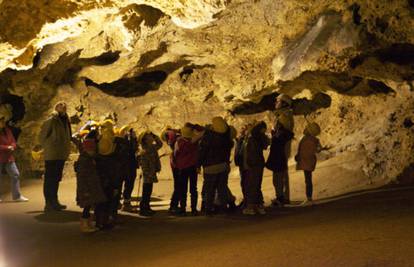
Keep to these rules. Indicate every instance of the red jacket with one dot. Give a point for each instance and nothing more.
(185, 153)
(6, 140)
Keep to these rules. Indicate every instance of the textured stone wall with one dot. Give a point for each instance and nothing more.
(348, 64)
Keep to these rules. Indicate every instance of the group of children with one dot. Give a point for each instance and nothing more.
(109, 159)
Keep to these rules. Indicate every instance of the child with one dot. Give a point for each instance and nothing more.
(306, 157)
(186, 158)
(89, 190)
(149, 161)
(253, 166)
(278, 160)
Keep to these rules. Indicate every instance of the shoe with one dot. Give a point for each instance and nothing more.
(277, 203)
(146, 213)
(85, 227)
(307, 202)
(105, 226)
(260, 209)
(129, 208)
(21, 199)
(51, 208)
(194, 212)
(60, 206)
(249, 211)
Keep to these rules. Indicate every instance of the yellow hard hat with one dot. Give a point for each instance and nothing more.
(84, 133)
(187, 132)
(107, 124)
(106, 146)
(37, 155)
(313, 129)
(124, 130)
(219, 125)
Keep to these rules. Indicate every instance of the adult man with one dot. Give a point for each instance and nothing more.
(55, 137)
(284, 116)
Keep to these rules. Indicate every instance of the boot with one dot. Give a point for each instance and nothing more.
(249, 210)
(84, 226)
(127, 207)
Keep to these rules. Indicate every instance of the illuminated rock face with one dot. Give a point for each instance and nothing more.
(348, 64)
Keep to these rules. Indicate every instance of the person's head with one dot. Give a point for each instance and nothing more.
(61, 108)
(219, 125)
(282, 122)
(283, 101)
(187, 132)
(146, 138)
(312, 129)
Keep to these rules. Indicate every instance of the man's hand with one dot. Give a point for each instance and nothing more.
(11, 148)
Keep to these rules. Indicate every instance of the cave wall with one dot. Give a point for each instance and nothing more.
(348, 64)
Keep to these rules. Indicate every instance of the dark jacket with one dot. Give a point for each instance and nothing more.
(238, 151)
(253, 152)
(277, 160)
(55, 137)
(185, 153)
(89, 190)
(6, 140)
(215, 148)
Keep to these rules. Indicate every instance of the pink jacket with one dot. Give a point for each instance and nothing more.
(185, 153)
(6, 140)
(306, 157)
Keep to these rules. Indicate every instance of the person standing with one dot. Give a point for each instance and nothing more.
(277, 161)
(7, 161)
(214, 157)
(170, 136)
(306, 159)
(55, 137)
(284, 111)
(254, 164)
(150, 164)
(186, 158)
(132, 165)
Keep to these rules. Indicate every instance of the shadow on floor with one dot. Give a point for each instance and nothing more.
(65, 216)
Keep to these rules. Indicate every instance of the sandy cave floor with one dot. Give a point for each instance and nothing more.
(371, 230)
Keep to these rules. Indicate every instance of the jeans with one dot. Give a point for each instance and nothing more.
(53, 176)
(185, 176)
(309, 185)
(212, 183)
(281, 184)
(13, 172)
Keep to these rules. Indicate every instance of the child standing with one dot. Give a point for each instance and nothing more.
(150, 164)
(89, 190)
(306, 159)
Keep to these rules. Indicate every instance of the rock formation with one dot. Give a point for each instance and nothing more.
(349, 65)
